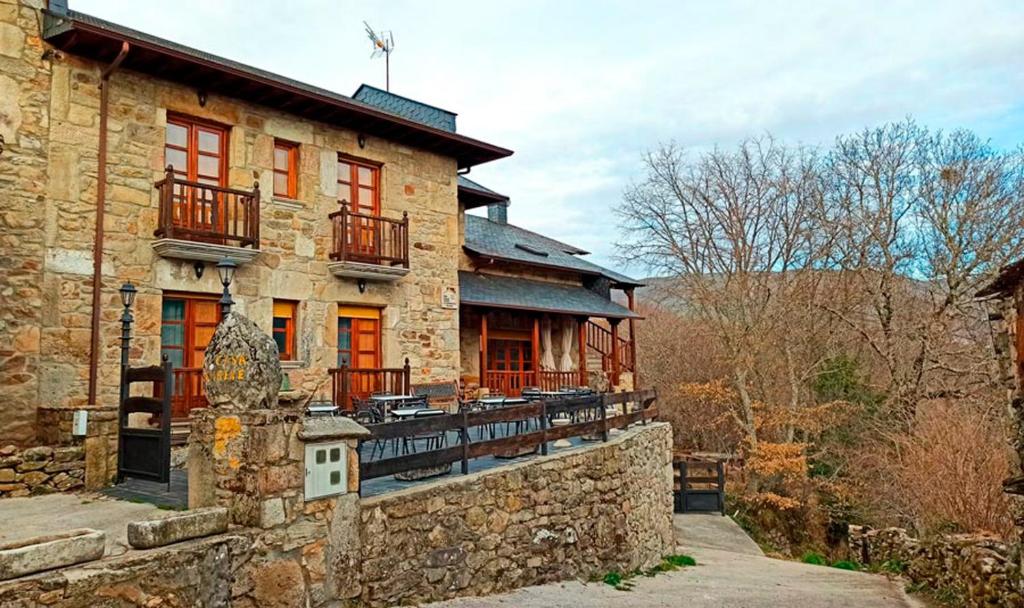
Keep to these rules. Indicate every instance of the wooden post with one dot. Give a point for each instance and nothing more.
(604, 417)
(543, 428)
(615, 351)
(464, 429)
(682, 486)
(483, 349)
(721, 485)
(535, 351)
(582, 330)
(407, 377)
(630, 297)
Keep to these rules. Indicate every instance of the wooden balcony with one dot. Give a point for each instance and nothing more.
(207, 223)
(369, 247)
(349, 382)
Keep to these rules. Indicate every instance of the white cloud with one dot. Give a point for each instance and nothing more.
(580, 89)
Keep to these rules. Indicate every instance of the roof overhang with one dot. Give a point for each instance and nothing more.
(472, 198)
(1008, 279)
(88, 36)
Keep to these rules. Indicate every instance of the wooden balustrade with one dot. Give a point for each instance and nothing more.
(349, 382)
(370, 239)
(194, 211)
(553, 380)
(188, 391)
(600, 339)
(511, 383)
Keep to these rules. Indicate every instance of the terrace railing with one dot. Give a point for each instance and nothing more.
(582, 416)
(194, 211)
(370, 239)
(349, 382)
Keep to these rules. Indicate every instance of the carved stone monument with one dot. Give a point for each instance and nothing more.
(241, 370)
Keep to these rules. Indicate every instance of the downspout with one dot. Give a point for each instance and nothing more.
(101, 206)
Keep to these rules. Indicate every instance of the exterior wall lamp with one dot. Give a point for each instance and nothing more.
(128, 293)
(226, 269)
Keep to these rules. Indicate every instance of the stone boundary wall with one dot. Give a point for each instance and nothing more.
(982, 571)
(572, 515)
(41, 470)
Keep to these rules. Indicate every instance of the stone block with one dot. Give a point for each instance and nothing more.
(178, 527)
(48, 552)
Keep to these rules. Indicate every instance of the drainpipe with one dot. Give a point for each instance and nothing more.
(101, 206)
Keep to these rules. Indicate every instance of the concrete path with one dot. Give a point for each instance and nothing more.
(731, 572)
(22, 518)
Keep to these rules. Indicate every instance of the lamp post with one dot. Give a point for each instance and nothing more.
(226, 269)
(128, 293)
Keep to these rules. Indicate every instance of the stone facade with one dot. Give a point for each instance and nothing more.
(40, 470)
(49, 120)
(573, 515)
(981, 571)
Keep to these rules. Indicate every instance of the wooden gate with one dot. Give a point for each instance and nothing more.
(144, 425)
(699, 486)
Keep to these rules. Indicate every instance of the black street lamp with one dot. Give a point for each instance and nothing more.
(226, 269)
(128, 293)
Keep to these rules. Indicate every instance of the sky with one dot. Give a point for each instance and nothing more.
(579, 90)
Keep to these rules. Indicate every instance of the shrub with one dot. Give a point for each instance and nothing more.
(845, 564)
(815, 559)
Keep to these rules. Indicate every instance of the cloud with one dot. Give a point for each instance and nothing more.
(579, 90)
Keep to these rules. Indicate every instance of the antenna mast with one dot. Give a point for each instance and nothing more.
(383, 44)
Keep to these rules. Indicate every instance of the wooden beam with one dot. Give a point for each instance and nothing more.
(582, 331)
(631, 298)
(615, 351)
(535, 351)
(483, 349)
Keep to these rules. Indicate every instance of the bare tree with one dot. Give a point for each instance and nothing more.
(740, 234)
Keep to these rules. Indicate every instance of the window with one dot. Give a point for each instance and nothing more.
(284, 328)
(358, 337)
(197, 150)
(286, 169)
(359, 186)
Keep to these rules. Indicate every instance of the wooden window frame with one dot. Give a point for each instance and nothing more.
(289, 330)
(350, 183)
(193, 124)
(291, 172)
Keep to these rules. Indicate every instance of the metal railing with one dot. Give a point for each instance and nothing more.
(369, 239)
(194, 211)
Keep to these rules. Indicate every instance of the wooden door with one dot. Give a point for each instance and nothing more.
(198, 153)
(509, 365)
(187, 325)
(359, 349)
(359, 186)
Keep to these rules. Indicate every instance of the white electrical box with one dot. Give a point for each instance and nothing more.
(79, 423)
(326, 469)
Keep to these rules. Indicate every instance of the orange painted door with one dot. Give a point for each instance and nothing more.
(198, 153)
(359, 348)
(187, 326)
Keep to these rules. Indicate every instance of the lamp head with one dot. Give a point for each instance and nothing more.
(128, 293)
(226, 269)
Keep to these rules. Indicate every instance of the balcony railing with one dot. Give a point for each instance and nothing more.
(349, 382)
(512, 383)
(370, 239)
(192, 211)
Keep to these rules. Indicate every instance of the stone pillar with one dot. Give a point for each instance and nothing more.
(100, 447)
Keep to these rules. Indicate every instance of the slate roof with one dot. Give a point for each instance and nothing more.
(405, 107)
(525, 294)
(514, 244)
(1005, 282)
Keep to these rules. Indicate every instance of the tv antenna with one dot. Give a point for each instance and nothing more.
(383, 44)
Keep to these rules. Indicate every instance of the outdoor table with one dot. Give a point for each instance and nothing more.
(322, 409)
(393, 398)
(499, 401)
(408, 412)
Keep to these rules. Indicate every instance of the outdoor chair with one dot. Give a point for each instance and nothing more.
(433, 440)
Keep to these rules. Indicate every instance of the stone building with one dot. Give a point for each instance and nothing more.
(128, 158)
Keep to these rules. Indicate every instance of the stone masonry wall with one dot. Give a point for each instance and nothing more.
(41, 470)
(981, 571)
(49, 119)
(575, 515)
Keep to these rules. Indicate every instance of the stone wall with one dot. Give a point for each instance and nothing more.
(49, 119)
(573, 515)
(41, 470)
(980, 570)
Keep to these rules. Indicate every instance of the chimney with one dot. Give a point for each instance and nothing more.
(58, 7)
(498, 212)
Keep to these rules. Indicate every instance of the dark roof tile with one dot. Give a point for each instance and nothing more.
(525, 294)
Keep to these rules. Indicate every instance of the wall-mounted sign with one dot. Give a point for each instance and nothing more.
(449, 298)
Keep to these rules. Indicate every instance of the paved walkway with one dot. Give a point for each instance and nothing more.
(731, 573)
(54, 513)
